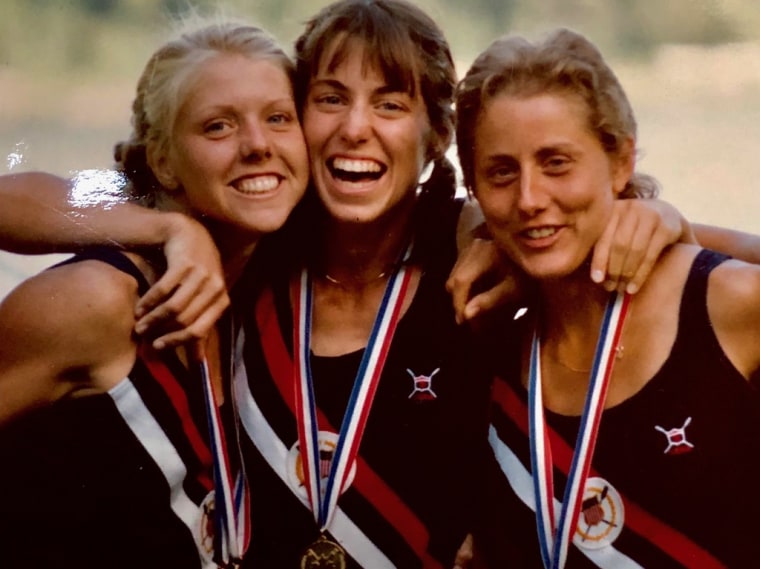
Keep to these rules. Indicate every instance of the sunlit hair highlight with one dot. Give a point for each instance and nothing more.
(164, 85)
(565, 63)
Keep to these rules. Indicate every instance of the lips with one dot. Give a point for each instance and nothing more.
(257, 184)
(355, 170)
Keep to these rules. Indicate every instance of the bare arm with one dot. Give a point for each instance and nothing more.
(42, 213)
(65, 331)
(740, 245)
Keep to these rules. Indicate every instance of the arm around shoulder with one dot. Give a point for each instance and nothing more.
(44, 213)
(738, 244)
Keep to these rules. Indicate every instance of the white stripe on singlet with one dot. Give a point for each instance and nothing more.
(153, 438)
(521, 481)
(274, 451)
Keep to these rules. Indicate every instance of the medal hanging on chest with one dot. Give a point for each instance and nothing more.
(554, 544)
(231, 496)
(323, 491)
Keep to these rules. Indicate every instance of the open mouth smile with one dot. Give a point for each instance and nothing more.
(355, 170)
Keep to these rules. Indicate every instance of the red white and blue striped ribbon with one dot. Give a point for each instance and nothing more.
(362, 393)
(232, 531)
(554, 545)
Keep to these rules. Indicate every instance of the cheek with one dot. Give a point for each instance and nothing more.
(194, 158)
(315, 125)
(496, 205)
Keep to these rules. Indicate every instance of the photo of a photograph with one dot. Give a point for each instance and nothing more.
(379, 284)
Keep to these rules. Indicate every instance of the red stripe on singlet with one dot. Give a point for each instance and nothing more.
(666, 538)
(366, 482)
(178, 399)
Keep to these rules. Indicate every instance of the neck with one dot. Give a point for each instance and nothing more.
(359, 254)
(235, 251)
(235, 246)
(571, 313)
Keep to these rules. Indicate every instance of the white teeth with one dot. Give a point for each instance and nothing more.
(540, 232)
(258, 184)
(356, 165)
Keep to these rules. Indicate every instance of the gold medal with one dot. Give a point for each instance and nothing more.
(323, 554)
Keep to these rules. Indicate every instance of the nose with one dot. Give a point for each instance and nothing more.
(254, 142)
(357, 123)
(531, 198)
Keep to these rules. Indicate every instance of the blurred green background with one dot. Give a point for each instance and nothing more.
(691, 68)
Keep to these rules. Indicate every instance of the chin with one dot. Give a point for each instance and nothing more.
(548, 270)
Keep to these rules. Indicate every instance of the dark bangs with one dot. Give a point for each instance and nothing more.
(386, 44)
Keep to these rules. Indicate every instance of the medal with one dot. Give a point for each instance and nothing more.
(602, 515)
(554, 543)
(325, 482)
(231, 505)
(323, 554)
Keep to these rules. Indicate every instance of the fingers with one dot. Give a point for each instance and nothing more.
(460, 295)
(603, 249)
(504, 292)
(652, 249)
(199, 328)
(174, 312)
(477, 260)
(638, 232)
(464, 555)
(191, 295)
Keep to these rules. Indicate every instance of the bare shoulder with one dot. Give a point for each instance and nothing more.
(67, 328)
(72, 296)
(734, 288)
(733, 302)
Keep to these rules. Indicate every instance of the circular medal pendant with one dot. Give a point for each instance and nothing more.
(323, 554)
(294, 465)
(602, 515)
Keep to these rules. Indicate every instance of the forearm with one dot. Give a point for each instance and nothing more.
(39, 213)
(740, 245)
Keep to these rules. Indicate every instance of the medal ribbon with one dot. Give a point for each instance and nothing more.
(362, 393)
(231, 497)
(554, 545)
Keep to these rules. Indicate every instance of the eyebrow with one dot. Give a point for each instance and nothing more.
(384, 89)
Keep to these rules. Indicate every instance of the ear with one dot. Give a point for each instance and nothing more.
(624, 165)
(160, 165)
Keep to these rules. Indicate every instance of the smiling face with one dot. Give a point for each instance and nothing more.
(237, 154)
(543, 180)
(368, 141)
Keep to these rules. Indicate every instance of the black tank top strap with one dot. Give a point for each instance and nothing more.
(116, 259)
(694, 322)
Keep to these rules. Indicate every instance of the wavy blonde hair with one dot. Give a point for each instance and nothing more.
(163, 86)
